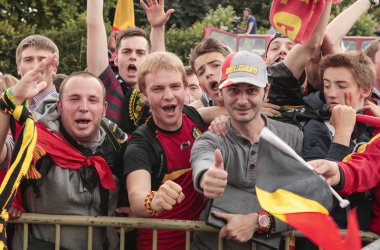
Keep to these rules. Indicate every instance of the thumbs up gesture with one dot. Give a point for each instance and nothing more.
(214, 180)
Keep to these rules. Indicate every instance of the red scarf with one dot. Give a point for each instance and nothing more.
(66, 156)
(295, 18)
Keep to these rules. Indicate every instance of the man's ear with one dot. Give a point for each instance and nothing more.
(366, 92)
(266, 91)
(105, 105)
(116, 61)
(144, 97)
(59, 106)
(18, 71)
(55, 70)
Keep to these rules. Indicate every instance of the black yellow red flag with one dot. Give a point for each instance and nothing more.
(21, 159)
(293, 193)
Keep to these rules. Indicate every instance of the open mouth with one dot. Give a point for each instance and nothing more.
(169, 108)
(132, 68)
(279, 59)
(214, 85)
(82, 121)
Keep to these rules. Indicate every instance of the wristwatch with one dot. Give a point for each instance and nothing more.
(264, 222)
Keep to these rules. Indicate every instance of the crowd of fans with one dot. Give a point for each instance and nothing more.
(128, 136)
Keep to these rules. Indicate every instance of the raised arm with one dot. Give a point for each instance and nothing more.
(157, 17)
(301, 54)
(208, 114)
(29, 86)
(97, 58)
(341, 25)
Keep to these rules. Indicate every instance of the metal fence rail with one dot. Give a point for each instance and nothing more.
(125, 222)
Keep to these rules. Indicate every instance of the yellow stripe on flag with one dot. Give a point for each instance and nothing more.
(282, 202)
(124, 15)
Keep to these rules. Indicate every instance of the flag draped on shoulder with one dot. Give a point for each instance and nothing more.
(22, 156)
(296, 19)
(293, 193)
(124, 15)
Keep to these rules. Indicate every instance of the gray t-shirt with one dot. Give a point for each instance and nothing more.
(240, 159)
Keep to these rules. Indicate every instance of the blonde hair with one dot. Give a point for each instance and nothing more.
(7, 81)
(158, 61)
(37, 41)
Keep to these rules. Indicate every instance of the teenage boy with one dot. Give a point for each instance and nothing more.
(161, 185)
(348, 79)
(125, 106)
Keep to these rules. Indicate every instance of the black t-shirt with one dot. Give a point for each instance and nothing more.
(140, 153)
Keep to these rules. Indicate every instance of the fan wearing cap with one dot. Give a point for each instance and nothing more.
(231, 159)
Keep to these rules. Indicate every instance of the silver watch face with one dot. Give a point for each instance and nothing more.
(264, 221)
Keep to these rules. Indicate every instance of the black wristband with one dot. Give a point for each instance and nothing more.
(341, 182)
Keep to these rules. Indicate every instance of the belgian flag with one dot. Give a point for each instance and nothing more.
(124, 15)
(293, 193)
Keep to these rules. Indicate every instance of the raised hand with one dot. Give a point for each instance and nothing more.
(343, 118)
(155, 12)
(35, 80)
(214, 180)
(169, 194)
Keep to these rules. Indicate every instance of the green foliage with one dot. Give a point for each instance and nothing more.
(71, 41)
(64, 22)
(181, 40)
(363, 27)
(260, 9)
(10, 36)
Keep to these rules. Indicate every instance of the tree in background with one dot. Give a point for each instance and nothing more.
(181, 40)
(64, 23)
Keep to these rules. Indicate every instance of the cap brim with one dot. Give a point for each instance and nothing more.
(229, 82)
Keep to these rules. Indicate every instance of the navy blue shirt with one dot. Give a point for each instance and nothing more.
(251, 19)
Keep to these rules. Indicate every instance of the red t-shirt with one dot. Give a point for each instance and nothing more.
(177, 147)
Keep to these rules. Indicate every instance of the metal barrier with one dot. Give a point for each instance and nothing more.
(126, 222)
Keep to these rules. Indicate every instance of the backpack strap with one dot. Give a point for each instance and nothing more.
(111, 136)
(146, 131)
(193, 115)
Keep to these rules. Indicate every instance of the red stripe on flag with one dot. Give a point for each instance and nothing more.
(329, 238)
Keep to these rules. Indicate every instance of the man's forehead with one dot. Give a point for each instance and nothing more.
(208, 58)
(281, 40)
(78, 82)
(134, 42)
(34, 51)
